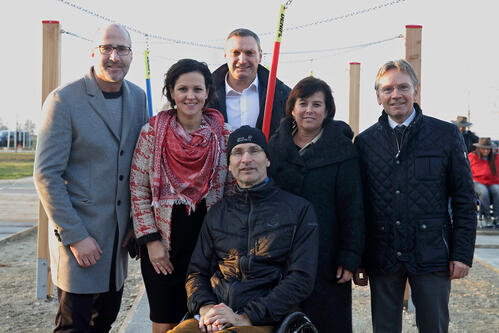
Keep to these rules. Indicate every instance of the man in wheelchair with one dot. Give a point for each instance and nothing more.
(256, 256)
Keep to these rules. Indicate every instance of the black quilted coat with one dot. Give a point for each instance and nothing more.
(328, 176)
(257, 253)
(278, 106)
(407, 194)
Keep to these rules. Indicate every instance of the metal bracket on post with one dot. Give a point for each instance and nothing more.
(41, 278)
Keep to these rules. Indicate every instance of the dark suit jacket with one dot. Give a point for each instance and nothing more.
(278, 106)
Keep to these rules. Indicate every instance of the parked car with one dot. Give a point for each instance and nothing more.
(4, 138)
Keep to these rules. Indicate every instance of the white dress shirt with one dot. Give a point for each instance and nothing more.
(242, 108)
(407, 122)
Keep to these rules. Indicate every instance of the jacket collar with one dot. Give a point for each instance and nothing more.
(258, 192)
(98, 104)
(416, 122)
(337, 136)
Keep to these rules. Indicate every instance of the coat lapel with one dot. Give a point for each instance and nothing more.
(126, 121)
(96, 101)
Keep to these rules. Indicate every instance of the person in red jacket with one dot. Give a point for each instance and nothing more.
(484, 164)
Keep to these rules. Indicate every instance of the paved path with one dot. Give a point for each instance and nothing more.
(19, 203)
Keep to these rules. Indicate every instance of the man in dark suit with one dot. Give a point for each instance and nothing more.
(411, 166)
(82, 169)
(241, 84)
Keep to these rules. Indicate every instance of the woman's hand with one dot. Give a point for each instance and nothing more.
(159, 257)
(343, 275)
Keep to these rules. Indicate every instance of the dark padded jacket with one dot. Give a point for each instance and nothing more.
(406, 196)
(257, 253)
(328, 176)
(469, 139)
(278, 106)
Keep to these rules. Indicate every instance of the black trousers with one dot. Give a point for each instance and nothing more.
(90, 312)
(87, 312)
(430, 294)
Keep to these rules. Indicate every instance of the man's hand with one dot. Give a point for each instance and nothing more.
(159, 257)
(361, 277)
(214, 318)
(86, 252)
(343, 274)
(458, 270)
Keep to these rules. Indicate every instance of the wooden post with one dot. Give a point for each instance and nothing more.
(353, 106)
(51, 69)
(413, 50)
(413, 56)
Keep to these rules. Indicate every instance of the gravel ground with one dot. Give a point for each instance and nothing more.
(20, 311)
(473, 305)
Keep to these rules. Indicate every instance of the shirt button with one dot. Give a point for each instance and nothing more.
(397, 192)
(121, 152)
(423, 226)
(119, 202)
(399, 254)
(397, 162)
(397, 223)
(121, 177)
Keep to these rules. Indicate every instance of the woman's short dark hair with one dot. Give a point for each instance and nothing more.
(306, 88)
(187, 66)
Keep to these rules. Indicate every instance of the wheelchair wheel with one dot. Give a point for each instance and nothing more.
(297, 322)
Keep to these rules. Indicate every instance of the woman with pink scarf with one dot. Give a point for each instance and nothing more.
(178, 171)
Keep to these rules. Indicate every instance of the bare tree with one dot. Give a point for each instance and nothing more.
(3, 126)
(30, 126)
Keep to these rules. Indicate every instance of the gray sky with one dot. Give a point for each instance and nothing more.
(459, 54)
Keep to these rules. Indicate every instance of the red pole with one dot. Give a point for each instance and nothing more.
(273, 72)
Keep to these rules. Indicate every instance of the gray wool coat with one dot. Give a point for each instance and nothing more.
(82, 170)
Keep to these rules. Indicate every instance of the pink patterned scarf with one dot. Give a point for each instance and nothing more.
(184, 163)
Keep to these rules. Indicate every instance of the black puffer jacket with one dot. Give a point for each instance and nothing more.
(278, 106)
(257, 253)
(407, 195)
(469, 139)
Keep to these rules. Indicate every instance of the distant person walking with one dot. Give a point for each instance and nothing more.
(82, 169)
(469, 137)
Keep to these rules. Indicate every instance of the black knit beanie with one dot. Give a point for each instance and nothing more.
(247, 134)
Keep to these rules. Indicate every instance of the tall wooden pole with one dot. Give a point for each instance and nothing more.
(413, 56)
(51, 77)
(353, 106)
(413, 50)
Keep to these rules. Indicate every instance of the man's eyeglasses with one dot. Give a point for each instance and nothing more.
(403, 88)
(120, 49)
(238, 152)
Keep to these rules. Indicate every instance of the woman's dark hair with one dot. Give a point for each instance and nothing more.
(491, 160)
(187, 66)
(306, 88)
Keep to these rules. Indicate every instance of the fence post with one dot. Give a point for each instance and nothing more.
(50, 80)
(353, 106)
(413, 50)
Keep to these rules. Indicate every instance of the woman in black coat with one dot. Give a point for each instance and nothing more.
(312, 156)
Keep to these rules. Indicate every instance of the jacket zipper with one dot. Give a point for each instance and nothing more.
(399, 145)
(445, 242)
(249, 231)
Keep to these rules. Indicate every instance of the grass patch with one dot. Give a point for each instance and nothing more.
(16, 165)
